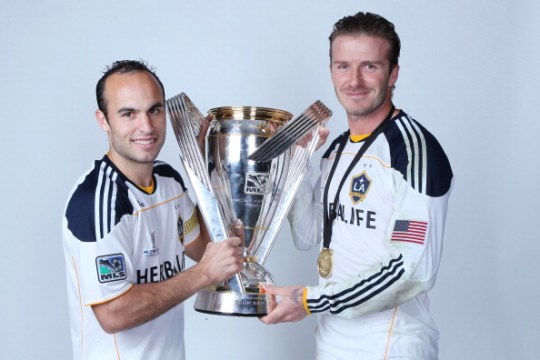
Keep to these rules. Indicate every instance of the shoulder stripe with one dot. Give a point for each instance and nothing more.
(361, 291)
(421, 168)
(418, 156)
(415, 144)
(98, 203)
(334, 145)
(102, 202)
(163, 169)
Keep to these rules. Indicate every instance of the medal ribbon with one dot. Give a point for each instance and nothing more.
(329, 217)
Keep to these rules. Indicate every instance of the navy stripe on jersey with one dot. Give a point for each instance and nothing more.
(101, 200)
(163, 169)
(335, 145)
(360, 292)
(418, 156)
(98, 203)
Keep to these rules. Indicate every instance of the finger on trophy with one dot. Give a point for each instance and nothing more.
(271, 302)
(237, 229)
(304, 141)
(323, 136)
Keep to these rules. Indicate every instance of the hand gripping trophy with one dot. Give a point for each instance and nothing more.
(245, 170)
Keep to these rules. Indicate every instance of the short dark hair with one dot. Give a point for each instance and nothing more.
(371, 25)
(122, 67)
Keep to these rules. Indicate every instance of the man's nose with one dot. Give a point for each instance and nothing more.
(357, 77)
(146, 123)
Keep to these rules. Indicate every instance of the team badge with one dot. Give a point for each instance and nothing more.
(111, 268)
(257, 183)
(360, 185)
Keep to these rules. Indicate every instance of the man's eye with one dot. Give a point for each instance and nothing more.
(155, 111)
(370, 67)
(127, 114)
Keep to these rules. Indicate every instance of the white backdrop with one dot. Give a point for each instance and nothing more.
(469, 73)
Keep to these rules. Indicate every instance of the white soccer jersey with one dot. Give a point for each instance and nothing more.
(386, 241)
(115, 236)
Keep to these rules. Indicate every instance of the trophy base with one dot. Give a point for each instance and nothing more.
(221, 300)
(213, 301)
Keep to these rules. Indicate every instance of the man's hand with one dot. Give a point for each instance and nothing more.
(323, 135)
(222, 260)
(289, 309)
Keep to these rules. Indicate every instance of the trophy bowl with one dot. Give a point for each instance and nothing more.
(248, 193)
(245, 181)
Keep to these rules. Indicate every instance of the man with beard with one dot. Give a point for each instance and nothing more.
(379, 209)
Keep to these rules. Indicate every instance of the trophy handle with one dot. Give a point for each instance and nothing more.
(213, 219)
(299, 165)
(187, 121)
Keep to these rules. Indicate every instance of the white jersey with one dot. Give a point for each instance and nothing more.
(115, 236)
(386, 242)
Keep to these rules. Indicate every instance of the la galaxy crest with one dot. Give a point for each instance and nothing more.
(360, 185)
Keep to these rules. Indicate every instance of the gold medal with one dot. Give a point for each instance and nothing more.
(324, 262)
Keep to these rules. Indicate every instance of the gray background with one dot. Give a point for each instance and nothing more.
(469, 73)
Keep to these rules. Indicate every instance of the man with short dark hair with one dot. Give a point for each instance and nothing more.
(127, 225)
(379, 209)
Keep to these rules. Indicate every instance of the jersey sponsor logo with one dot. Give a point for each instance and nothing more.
(257, 183)
(164, 271)
(360, 185)
(355, 216)
(111, 268)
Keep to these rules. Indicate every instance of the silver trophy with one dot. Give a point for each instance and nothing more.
(245, 179)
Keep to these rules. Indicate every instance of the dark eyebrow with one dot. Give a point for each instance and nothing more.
(125, 109)
(129, 109)
(156, 105)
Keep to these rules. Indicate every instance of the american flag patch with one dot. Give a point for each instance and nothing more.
(410, 231)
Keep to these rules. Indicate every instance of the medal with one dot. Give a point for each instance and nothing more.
(324, 262)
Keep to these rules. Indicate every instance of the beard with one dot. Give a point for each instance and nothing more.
(365, 107)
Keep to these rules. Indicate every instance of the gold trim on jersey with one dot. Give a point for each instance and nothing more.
(158, 204)
(148, 189)
(191, 224)
(357, 138)
(304, 301)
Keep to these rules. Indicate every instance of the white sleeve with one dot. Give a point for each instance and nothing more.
(409, 268)
(305, 215)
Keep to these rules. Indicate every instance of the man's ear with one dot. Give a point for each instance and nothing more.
(394, 76)
(102, 121)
